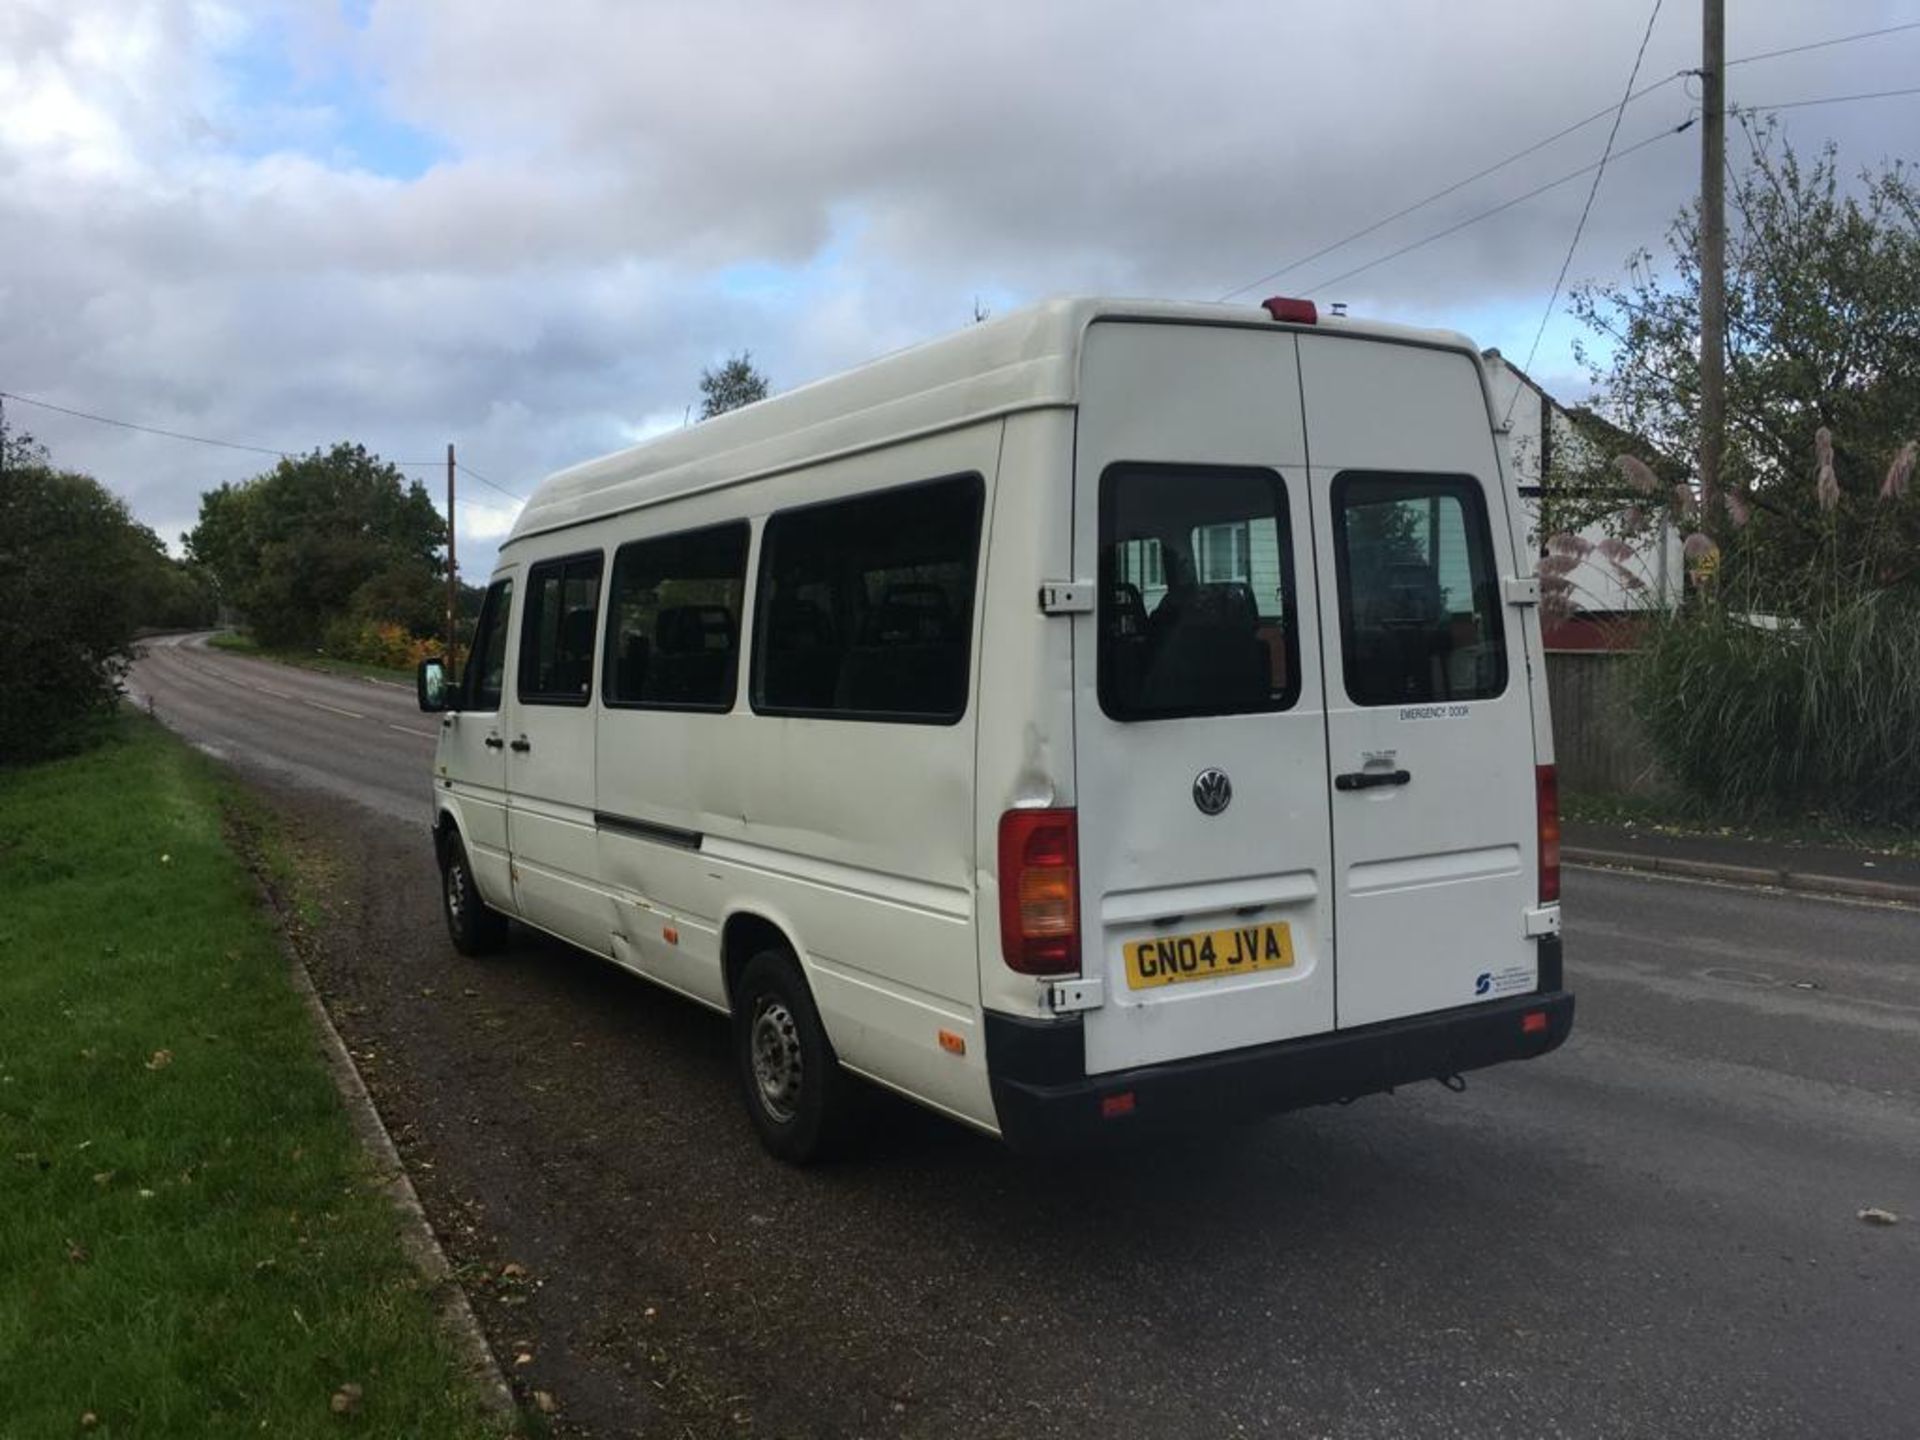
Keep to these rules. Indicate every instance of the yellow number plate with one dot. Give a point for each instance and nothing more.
(1171, 959)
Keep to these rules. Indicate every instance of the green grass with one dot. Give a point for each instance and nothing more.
(234, 641)
(191, 1242)
(1682, 815)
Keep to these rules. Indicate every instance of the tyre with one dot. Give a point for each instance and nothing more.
(799, 1098)
(474, 927)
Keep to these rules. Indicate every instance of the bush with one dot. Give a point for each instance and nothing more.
(1817, 716)
(379, 642)
(67, 611)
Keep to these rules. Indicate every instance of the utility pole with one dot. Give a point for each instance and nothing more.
(1713, 255)
(453, 575)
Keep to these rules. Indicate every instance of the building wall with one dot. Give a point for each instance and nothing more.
(1596, 584)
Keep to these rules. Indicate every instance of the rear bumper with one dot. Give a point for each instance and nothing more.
(1046, 1101)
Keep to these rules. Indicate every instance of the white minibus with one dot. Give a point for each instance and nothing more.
(1115, 715)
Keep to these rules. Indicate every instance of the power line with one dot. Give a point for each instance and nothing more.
(1580, 226)
(1442, 194)
(510, 494)
(1837, 99)
(147, 429)
(1823, 44)
(1493, 210)
(236, 444)
(1562, 134)
(1505, 205)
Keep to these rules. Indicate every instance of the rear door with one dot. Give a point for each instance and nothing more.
(1199, 735)
(1429, 721)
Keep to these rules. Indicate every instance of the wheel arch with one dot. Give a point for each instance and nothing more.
(745, 933)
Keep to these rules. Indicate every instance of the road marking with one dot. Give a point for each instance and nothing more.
(409, 730)
(269, 690)
(321, 705)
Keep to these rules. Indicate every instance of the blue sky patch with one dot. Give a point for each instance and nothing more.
(324, 108)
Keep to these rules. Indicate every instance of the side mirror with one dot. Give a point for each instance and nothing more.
(431, 687)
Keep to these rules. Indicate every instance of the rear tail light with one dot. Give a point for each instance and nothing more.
(1039, 891)
(1546, 792)
(1298, 312)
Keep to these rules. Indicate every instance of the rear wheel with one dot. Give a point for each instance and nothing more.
(475, 927)
(799, 1098)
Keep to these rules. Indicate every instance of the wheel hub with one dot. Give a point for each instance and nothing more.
(777, 1066)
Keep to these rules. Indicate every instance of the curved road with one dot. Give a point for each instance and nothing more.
(1653, 1232)
(364, 740)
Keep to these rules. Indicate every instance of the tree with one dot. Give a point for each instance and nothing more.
(734, 384)
(78, 576)
(1788, 682)
(1823, 335)
(320, 538)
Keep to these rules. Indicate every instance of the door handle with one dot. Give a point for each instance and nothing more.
(494, 742)
(1370, 779)
(521, 746)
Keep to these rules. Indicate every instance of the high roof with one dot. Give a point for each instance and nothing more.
(1028, 359)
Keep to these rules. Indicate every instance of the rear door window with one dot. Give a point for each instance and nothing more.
(1420, 615)
(1196, 612)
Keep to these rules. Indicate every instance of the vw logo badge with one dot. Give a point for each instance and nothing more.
(1212, 790)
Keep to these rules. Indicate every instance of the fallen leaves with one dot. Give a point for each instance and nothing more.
(161, 1059)
(346, 1400)
(544, 1402)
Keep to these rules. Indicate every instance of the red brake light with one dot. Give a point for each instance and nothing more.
(1546, 791)
(1534, 1022)
(1298, 312)
(1039, 891)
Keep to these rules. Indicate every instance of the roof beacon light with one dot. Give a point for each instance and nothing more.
(1297, 312)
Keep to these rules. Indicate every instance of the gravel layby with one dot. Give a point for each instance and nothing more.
(638, 1264)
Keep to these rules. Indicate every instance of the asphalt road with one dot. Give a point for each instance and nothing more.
(363, 740)
(1652, 1232)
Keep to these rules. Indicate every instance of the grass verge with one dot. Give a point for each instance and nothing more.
(191, 1242)
(1679, 816)
(238, 644)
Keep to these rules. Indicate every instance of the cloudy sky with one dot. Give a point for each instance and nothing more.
(526, 227)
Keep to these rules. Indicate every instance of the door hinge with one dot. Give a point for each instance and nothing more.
(1525, 590)
(1543, 921)
(1066, 996)
(1066, 597)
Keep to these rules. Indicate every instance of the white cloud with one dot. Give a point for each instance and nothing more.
(197, 231)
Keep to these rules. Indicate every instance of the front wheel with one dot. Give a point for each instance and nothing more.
(475, 927)
(797, 1095)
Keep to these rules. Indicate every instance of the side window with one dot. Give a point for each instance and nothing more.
(1196, 611)
(556, 631)
(487, 664)
(1420, 613)
(673, 620)
(865, 606)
